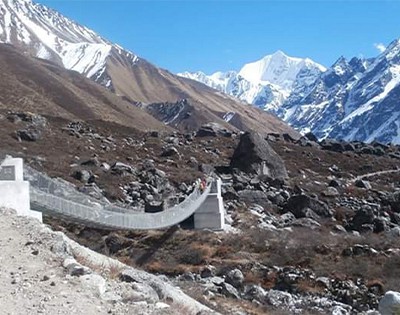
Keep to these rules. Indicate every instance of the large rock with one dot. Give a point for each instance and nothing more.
(213, 130)
(235, 277)
(300, 206)
(390, 303)
(363, 216)
(30, 134)
(254, 155)
(254, 196)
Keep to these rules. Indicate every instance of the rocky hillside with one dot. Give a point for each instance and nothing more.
(44, 33)
(311, 226)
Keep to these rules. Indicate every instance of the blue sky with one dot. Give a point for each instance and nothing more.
(223, 35)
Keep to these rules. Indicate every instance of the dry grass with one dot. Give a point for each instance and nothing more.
(112, 271)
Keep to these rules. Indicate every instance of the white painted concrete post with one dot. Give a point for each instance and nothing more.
(211, 214)
(14, 191)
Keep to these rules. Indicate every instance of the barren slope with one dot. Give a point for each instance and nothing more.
(39, 86)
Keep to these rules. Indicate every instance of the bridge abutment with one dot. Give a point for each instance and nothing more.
(211, 214)
(14, 191)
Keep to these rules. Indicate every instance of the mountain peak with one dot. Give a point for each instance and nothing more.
(278, 53)
(277, 69)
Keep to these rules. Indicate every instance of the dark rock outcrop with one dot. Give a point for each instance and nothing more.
(254, 155)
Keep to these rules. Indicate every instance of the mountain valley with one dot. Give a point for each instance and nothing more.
(312, 208)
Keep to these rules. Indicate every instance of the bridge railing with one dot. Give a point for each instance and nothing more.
(111, 219)
(61, 188)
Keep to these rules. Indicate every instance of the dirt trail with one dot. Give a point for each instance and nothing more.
(33, 279)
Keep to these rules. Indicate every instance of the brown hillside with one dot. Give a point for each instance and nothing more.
(29, 84)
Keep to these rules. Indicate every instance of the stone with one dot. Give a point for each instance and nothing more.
(206, 168)
(229, 291)
(120, 168)
(330, 192)
(145, 292)
(339, 229)
(310, 136)
(254, 196)
(363, 216)
(333, 145)
(95, 283)
(309, 223)
(188, 276)
(91, 162)
(74, 268)
(105, 166)
(83, 176)
(154, 134)
(213, 130)
(334, 183)
(129, 275)
(362, 184)
(208, 271)
(235, 277)
(380, 224)
(254, 292)
(298, 205)
(154, 206)
(255, 156)
(114, 243)
(169, 151)
(192, 162)
(30, 134)
(278, 298)
(390, 303)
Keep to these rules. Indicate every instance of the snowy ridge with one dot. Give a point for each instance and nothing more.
(353, 100)
(49, 35)
(266, 83)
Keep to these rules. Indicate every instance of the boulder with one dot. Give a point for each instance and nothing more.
(94, 283)
(310, 136)
(83, 176)
(390, 303)
(208, 271)
(330, 192)
(114, 243)
(363, 184)
(213, 130)
(120, 168)
(235, 277)
(299, 205)
(333, 145)
(254, 196)
(154, 206)
(169, 151)
(364, 216)
(254, 155)
(31, 134)
(229, 291)
(254, 292)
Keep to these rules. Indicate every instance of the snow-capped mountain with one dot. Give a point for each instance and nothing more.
(48, 35)
(266, 83)
(357, 99)
(354, 100)
(42, 32)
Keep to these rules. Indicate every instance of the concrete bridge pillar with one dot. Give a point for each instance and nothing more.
(211, 214)
(14, 191)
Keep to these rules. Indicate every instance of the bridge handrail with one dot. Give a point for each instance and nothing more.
(105, 218)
